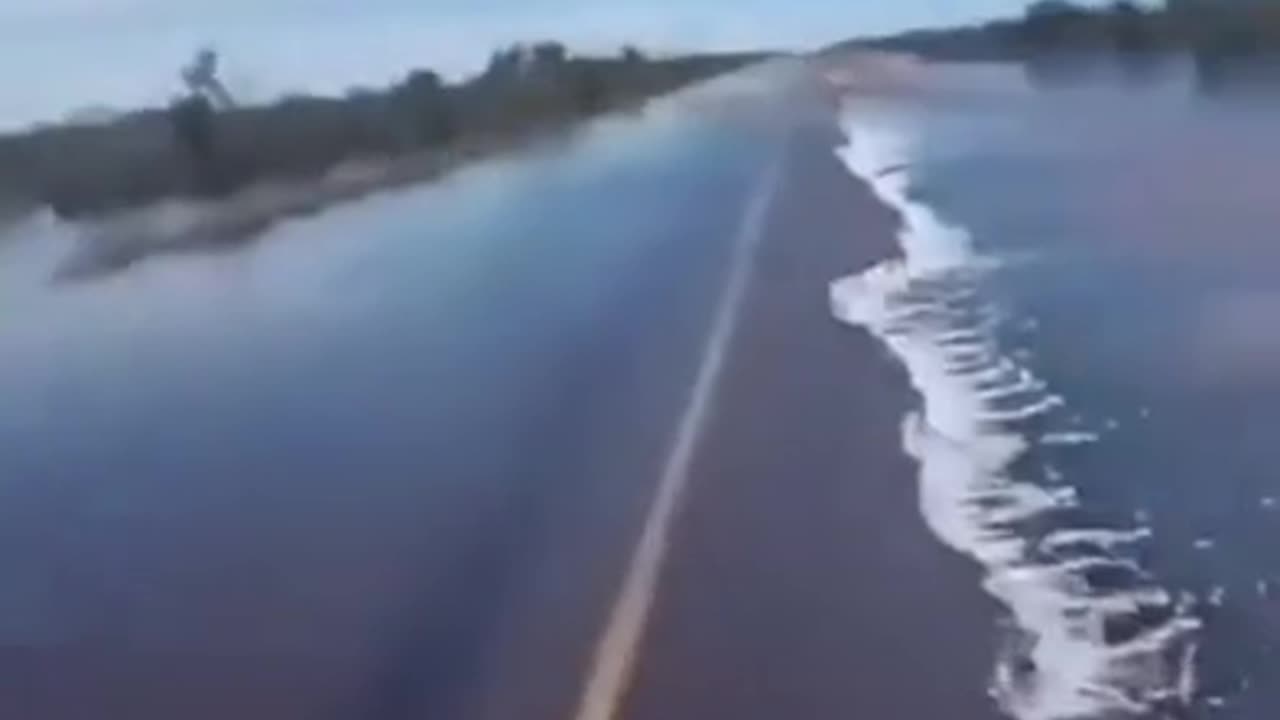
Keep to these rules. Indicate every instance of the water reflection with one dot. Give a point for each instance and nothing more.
(264, 451)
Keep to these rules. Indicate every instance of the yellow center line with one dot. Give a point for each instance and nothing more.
(613, 665)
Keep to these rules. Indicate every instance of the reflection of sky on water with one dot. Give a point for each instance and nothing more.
(327, 398)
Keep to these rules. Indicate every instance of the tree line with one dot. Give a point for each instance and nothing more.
(196, 149)
(1213, 31)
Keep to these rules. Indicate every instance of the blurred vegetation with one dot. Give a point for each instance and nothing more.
(195, 149)
(1052, 33)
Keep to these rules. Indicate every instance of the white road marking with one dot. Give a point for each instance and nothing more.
(614, 661)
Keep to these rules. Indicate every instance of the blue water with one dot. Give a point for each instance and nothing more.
(364, 438)
(1137, 275)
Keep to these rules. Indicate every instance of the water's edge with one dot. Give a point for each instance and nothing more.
(1089, 632)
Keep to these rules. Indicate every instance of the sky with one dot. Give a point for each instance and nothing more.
(64, 56)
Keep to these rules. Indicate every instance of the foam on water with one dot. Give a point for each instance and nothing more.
(1090, 633)
(1069, 438)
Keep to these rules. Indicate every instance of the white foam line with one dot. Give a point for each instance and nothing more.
(1062, 661)
(1106, 539)
(1040, 407)
(1069, 438)
(615, 655)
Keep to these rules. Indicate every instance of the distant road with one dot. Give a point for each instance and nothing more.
(569, 435)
